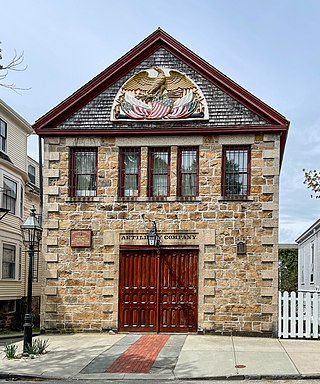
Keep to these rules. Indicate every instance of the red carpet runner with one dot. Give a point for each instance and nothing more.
(139, 358)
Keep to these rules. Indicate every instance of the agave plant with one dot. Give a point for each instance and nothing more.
(10, 350)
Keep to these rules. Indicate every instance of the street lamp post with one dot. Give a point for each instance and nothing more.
(31, 231)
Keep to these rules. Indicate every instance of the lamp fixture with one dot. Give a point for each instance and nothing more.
(241, 248)
(153, 237)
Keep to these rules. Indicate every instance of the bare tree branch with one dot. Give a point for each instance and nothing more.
(15, 64)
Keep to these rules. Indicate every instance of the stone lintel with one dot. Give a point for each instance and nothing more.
(236, 139)
(80, 141)
(52, 140)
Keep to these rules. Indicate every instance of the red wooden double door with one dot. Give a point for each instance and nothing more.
(158, 290)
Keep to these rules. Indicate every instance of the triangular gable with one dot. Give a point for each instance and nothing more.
(50, 122)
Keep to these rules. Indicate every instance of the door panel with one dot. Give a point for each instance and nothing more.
(173, 308)
(137, 300)
(178, 297)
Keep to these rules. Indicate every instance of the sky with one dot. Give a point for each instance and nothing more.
(269, 47)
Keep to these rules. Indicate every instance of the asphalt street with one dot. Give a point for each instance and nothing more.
(152, 381)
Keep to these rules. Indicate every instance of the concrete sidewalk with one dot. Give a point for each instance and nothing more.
(88, 356)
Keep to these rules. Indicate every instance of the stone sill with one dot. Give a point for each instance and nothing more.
(236, 198)
(168, 199)
(83, 199)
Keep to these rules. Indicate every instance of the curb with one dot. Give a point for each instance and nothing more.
(17, 336)
(20, 376)
(12, 376)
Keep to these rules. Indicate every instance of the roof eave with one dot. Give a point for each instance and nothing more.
(158, 39)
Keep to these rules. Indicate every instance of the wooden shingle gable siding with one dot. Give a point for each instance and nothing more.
(224, 111)
(157, 41)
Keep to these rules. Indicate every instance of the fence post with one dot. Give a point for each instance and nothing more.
(300, 314)
(315, 323)
(285, 314)
(293, 316)
(280, 315)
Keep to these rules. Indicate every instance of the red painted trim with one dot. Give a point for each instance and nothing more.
(121, 178)
(162, 130)
(282, 129)
(151, 151)
(135, 56)
(226, 148)
(179, 171)
(72, 168)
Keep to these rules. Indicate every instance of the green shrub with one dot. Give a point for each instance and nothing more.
(42, 345)
(10, 351)
(288, 269)
(38, 347)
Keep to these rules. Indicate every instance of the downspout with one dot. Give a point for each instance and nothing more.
(40, 176)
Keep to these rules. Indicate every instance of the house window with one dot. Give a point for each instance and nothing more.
(129, 172)
(8, 306)
(83, 172)
(9, 195)
(188, 160)
(32, 173)
(159, 160)
(21, 201)
(8, 261)
(312, 264)
(3, 135)
(236, 172)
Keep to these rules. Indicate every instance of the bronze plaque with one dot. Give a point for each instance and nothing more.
(80, 237)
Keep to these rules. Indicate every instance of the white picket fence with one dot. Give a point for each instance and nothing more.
(299, 315)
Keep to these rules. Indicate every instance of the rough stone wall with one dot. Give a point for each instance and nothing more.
(236, 293)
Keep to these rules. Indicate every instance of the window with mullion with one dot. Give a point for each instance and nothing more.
(129, 172)
(83, 172)
(236, 171)
(3, 135)
(8, 261)
(32, 173)
(159, 161)
(9, 195)
(188, 169)
(312, 263)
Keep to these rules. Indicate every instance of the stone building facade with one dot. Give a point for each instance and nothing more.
(208, 182)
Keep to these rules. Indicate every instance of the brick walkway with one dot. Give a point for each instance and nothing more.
(140, 357)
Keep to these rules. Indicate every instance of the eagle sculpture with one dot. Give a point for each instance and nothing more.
(156, 86)
(171, 96)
